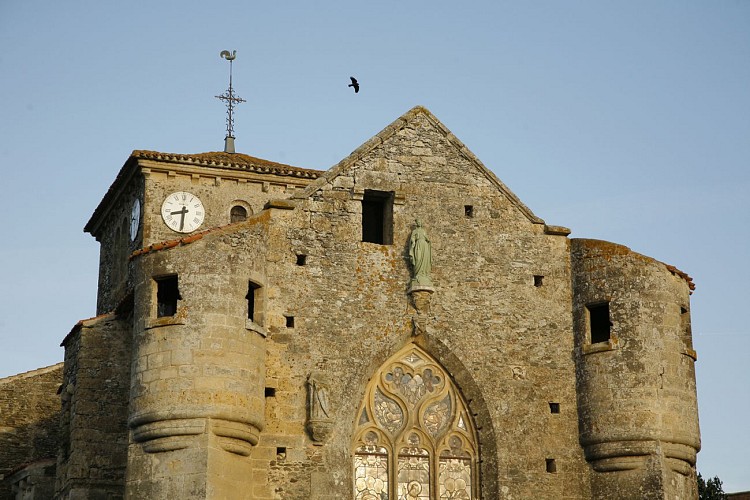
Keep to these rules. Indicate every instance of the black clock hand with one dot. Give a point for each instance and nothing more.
(182, 213)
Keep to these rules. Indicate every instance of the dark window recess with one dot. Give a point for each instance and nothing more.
(687, 333)
(554, 407)
(550, 464)
(538, 281)
(289, 321)
(301, 260)
(252, 297)
(238, 214)
(377, 217)
(469, 210)
(281, 453)
(167, 295)
(599, 322)
(270, 392)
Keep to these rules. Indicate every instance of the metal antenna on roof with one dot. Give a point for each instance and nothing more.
(230, 99)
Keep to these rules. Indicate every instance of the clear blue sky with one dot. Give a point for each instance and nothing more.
(627, 121)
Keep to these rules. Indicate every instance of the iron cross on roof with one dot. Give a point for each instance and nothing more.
(230, 99)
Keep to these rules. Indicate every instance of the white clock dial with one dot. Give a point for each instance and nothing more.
(135, 219)
(182, 212)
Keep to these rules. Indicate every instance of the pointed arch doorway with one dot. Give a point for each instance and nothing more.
(414, 437)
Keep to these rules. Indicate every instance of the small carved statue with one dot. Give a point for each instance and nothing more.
(318, 400)
(420, 255)
(319, 420)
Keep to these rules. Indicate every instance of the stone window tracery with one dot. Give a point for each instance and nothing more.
(415, 438)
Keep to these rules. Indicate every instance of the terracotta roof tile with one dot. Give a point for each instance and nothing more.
(682, 275)
(237, 161)
(186, 240)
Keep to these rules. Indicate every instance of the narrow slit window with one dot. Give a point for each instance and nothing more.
(167, 295)
(600, 325)
(253, 292)
(687, 334)
(238, 213)
(377, 217)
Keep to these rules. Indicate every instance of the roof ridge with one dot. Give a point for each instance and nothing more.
(31, 373)
(236, 160)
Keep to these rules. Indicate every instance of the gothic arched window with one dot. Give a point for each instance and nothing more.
(414, 437)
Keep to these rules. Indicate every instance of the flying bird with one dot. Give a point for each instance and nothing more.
(354, 84)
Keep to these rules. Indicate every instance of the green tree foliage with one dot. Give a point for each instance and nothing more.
(711, 489)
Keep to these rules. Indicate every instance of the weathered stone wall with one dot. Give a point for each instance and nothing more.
(36, 481)
(636, 392)
(506, 342)
(151, 182)
(92, 458)
(116, 246)
(29, 414)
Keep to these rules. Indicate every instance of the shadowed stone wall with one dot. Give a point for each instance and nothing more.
(92, 458)
(29, 416)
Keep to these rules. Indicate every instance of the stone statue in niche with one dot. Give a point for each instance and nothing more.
(319, 419)
(420, 285)
(420, 255)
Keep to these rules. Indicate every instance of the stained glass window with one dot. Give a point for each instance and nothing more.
(371, 470)
(415, 438)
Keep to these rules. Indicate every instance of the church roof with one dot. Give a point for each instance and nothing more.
(398, 125)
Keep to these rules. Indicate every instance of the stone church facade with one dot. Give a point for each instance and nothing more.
(400, 326)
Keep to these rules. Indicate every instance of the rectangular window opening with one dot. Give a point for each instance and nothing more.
(281, 453)
(270, 392)
(538, 280)
(377, 217)
(301, 260)
(252, 299)
(554, 407)
(469, 210)
(167, 295)
(289, 321)
(600, 324)
(550, 465)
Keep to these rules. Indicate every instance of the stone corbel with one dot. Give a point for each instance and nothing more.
(420, 299)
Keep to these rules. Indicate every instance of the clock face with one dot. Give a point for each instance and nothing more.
(182, 212)
(135, 219)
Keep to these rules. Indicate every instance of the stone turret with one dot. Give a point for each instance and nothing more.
(635, 373)
(198, 369)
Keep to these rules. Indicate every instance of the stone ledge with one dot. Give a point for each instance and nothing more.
(610, 345)
(254, 327)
